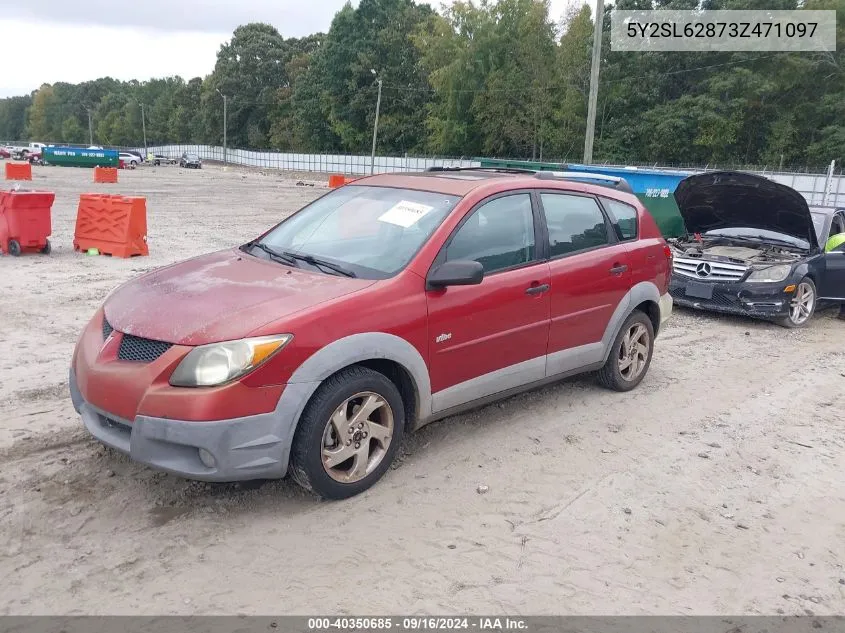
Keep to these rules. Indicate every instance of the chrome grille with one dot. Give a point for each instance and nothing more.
(141, 350)
(707, 270)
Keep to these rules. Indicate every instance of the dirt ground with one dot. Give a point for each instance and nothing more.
(716, 487)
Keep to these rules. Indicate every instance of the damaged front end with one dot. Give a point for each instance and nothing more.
(719, 274)
(748, 245)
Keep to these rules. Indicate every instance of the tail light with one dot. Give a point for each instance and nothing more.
(668, 252)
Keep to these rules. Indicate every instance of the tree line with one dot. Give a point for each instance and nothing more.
(492, 78)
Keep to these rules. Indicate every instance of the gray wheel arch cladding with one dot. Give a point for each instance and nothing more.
(640, 293)
(358, 348)
(343, 353)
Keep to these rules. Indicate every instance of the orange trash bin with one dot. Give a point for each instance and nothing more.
(25, 221)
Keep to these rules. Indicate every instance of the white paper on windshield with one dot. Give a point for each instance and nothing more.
(405, 213)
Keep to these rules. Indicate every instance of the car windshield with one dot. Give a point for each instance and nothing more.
(761, 235)
(192, 157)
(371, 231)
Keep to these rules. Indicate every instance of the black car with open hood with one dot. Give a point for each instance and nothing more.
(753, 247)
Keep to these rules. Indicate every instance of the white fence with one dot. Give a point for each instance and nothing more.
(811, 186)
(321, 163)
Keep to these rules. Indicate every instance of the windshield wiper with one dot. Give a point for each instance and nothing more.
(322, 263)
(274, 254)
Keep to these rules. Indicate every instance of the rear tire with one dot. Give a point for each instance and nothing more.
(329, 436)
(47, 248)
(14, 248)
(630, 355)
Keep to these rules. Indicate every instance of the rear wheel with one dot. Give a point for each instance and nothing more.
(46, 249)
(802, 306)
(630, 356)
(14, 248)
(348, 434)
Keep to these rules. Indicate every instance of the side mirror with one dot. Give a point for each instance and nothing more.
(458, 272)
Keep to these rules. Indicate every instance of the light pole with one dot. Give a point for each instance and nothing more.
(144, 127)
(594, 84)
(225, 125)
(90, 128)
(375, 127)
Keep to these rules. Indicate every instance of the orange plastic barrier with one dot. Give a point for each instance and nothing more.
(114, 225)
(18, 171)
(337, 180)
(105, 174)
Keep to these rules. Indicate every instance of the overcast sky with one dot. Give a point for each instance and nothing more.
(79, 40)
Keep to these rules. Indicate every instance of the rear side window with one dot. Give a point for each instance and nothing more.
(624, 218)
(498, 235)
(575, 223)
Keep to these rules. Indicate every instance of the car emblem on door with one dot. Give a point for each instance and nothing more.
(703, 269)
(443, 337)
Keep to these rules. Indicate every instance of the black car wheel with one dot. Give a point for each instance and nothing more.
(348, 434)
(14, 248)
(802, 305)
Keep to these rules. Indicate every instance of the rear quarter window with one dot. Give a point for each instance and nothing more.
(624, 218)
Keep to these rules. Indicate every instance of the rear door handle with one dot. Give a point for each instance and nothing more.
(536, 290)
(618, 269)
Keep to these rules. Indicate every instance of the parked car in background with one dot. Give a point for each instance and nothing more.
(190, 160)
(5, 153)
(382, 306)
(158, 159)
(754, 247)
(130, 160)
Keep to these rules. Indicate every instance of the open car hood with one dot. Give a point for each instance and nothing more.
(729, 199)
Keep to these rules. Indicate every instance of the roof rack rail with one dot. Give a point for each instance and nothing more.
(503, 170)
(615, 182)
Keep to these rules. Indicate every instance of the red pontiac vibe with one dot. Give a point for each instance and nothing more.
(381, 306)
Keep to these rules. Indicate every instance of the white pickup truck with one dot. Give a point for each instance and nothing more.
(25, 152)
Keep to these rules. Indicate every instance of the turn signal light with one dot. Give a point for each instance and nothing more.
(790, 288)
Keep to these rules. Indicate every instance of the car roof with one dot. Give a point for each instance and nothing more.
(461, 182)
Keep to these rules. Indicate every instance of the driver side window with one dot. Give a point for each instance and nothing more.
(498, 235)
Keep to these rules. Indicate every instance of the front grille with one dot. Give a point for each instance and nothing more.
(707, 270)
(141, 350)
(107, 329)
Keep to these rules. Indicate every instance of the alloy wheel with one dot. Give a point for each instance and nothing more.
(633, 352)
(356, 437)
(802, 304)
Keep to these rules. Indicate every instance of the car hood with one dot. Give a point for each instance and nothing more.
(726, 199)
(218, 297)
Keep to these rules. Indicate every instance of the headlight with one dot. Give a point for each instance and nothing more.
(771, 273)
(218, 363)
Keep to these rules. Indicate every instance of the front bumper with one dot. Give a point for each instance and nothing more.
(252, 447)
(761, 300)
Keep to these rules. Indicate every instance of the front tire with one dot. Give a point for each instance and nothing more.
(348, 434)
(631, 353)
(802, 306)
(14, 248)
(47, 248)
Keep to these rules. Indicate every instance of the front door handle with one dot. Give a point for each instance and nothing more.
(618, 269)
(536, 290)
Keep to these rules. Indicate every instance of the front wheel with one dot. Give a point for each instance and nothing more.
(46, 249)
(630, 356)
(14, 248)
(348, 434)
(802, 306)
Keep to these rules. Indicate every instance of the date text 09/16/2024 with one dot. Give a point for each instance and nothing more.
(418, 623)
